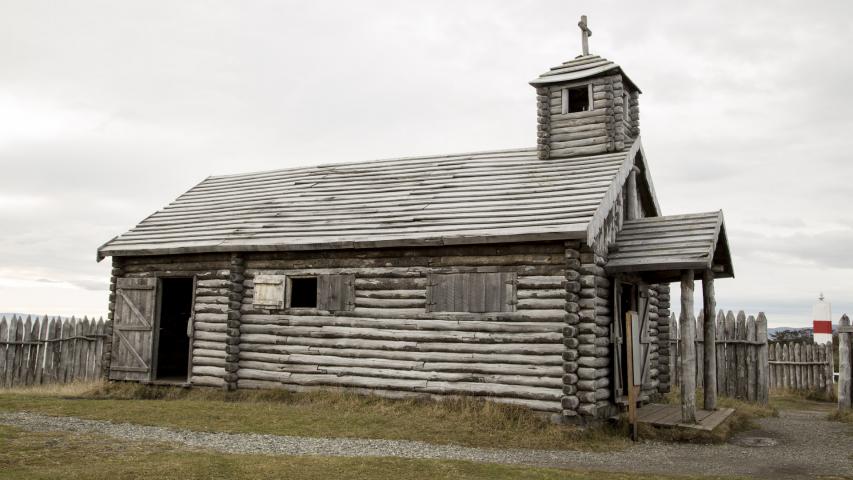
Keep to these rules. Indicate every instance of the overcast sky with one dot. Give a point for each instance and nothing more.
(109, 110)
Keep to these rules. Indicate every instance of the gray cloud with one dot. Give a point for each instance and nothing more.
(110, 110)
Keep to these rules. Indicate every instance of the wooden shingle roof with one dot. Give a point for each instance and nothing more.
(488, 197)
(666, 245)
(582, 67)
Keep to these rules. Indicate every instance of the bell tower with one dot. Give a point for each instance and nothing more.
(585, 106)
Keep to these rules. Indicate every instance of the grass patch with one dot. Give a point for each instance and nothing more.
(39, 455)
(797, 400)
(460, 421)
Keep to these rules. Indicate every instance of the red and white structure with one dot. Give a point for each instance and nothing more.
(822, 317)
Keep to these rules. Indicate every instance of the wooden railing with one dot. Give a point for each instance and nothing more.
(50, 350)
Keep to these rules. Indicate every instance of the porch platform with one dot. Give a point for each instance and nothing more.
(670, 416)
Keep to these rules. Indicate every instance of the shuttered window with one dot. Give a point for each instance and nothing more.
(472, 292)
(269, 291)
(335, 292)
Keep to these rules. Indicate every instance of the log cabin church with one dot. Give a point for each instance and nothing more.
(503, 274)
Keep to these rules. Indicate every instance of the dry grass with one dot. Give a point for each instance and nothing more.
(39, 455)
(461, 421)
(845, 416)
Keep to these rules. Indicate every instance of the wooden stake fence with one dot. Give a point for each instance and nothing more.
(799, 366)
(48, 351)
(742, 355)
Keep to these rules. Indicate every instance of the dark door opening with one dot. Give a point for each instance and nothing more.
(173, 343)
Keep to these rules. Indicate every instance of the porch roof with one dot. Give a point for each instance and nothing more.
(665, 246)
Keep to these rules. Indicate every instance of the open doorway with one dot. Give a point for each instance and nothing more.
(173, 343)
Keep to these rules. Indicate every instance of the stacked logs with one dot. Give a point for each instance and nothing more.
(235, 303)
(664, 353)
(593, 337)
(583, 133)
(543, 121)
(570, 399)
(387, 343)
(210, 328)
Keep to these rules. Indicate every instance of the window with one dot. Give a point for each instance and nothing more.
(303, 292)
(576, 99)
(471, 292)
(323, 292)
(269, 291)
(626, 107)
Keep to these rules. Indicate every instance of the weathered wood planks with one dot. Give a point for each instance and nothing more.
(50, 350)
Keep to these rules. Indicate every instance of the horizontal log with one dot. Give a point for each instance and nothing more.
(541, 294)
(541, 304)
(206, 381)
(209, 327)
(207, 371)
(208, 345)
(280, 334)
(392, 294)
(418, 303)
(518, 380)
(210, 336)
(280, 354)
(272, 323)
(541, 282)
(208, 352)
(208, 361)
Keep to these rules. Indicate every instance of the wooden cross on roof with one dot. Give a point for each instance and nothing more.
(585, 34)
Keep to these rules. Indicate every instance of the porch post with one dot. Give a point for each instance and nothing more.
(709, 304)
(688, 350)
(631, 198)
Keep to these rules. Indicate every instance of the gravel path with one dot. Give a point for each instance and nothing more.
(806, 445)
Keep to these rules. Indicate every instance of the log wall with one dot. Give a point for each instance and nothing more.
(609, 125)
(594, 342)
(388, 343)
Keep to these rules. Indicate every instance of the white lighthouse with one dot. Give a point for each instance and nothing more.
(822, 317)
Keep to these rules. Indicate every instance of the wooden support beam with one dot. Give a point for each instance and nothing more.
(709, 305)
(631, 200)
(688, 349)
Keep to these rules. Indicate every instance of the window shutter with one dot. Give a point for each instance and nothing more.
(334, 292)
(472, 292)
(269, 291)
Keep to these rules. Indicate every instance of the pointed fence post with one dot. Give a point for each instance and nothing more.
(688, 350)
(721, 353)
(845, 369)
(763, 374)
(4, 337)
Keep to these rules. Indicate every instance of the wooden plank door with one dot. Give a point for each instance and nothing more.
(133, 329)
(643, 353)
